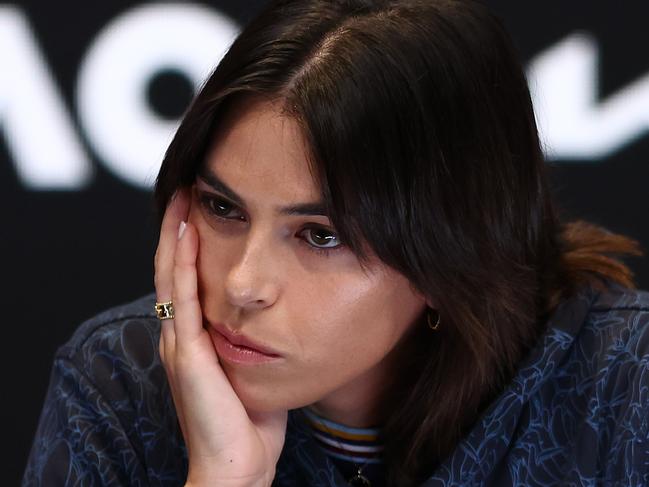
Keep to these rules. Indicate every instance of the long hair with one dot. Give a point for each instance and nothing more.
(424, 146)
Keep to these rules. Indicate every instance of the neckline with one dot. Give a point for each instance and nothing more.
(355, 446)
(345, 431)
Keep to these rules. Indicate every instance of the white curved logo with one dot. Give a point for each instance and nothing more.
(574, 123)
(124, 57)
(129, 139)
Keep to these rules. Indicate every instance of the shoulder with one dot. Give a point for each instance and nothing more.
(619, 320)
(617, 297)
(112, 362)
(126, 334)
(602, 331)
(108, 416)
(115, 354)
(614, 334)
(585, 392)
(603, 385)
(609, 365)
(612, 347)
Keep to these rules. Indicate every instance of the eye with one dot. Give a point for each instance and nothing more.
(321, 240)
(220, 208)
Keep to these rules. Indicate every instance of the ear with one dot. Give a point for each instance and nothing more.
(429, 302)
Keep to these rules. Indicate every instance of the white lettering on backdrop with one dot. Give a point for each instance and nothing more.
(574, 123)
(39, 131)
(129, 139)
(124, 57)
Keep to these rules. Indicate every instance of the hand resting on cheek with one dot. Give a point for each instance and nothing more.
(226, 444)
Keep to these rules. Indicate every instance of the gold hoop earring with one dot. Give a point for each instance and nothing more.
(435, 326)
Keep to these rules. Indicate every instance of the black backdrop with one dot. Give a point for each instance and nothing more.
(69, 252)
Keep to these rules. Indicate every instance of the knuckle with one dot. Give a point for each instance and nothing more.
(183, 300)
(182, 258)
(156, 279)
(158, 260)
(179, 263)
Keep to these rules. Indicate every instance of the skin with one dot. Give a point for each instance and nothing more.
(338, 327)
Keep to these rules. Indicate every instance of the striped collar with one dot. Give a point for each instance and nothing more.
(360, 446)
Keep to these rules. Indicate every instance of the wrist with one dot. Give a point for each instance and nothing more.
(228, 482)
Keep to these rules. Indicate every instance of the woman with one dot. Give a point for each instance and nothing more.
(361, 279)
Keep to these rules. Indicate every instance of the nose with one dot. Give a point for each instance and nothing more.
(252, 282)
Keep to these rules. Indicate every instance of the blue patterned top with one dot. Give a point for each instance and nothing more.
(576, 413)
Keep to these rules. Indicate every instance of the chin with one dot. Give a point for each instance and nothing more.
(265, 396)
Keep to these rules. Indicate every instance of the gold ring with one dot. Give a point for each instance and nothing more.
(165, 311)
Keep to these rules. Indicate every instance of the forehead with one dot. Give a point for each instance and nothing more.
(260, 149)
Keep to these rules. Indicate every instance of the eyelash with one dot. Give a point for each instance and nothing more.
(207, 201)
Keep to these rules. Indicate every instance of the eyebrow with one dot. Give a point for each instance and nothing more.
(302, 209)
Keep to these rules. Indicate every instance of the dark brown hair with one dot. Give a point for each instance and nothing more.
(425, 147)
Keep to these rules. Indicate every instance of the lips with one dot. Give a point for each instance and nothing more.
(241, 340)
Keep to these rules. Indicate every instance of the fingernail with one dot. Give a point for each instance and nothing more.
(181, 229)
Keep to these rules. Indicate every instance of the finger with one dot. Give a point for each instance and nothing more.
(188, 322)
(167, 342)
(161, 348)
(175, 213)
(164, 259)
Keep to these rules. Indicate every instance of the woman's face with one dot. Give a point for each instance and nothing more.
(285, 282)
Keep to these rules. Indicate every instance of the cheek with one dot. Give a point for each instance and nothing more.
(335, 323)
(335, 346)
(343, 330)
(370, 311)
(210, 264)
